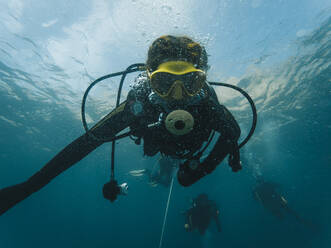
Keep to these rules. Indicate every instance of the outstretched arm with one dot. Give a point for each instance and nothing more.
(114, 122)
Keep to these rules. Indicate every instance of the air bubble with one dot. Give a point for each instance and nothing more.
(166, 9)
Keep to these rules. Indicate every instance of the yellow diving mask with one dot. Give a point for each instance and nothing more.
(176, 79)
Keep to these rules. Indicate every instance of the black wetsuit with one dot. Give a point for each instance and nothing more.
(137, 112)
(200, 215)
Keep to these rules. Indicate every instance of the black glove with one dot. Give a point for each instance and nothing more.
(12, 195)
(234, 158)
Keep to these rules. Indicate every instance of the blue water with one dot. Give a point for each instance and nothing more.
(39, 115)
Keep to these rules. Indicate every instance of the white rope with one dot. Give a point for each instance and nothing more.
(166, 211)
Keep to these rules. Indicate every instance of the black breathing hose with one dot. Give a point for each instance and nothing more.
(130, 69)
(251, 102)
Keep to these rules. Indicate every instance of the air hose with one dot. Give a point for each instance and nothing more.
(251, 102)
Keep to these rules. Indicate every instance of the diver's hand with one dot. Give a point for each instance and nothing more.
(234, 158)
(12, 195)
(187, 227)
(235, 165)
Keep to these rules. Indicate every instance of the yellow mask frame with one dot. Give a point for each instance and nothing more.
(173, 78)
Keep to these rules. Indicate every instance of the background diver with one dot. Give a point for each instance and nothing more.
(173, 93)
(200, 214)
(267, 193)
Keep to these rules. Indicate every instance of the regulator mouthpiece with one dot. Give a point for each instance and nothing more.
(179, 122)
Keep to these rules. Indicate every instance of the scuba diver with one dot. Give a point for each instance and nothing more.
(171, 107)
(162, 172)
(267, 194)
(200, 214)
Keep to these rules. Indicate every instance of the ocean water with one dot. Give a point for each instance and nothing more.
(279, 52)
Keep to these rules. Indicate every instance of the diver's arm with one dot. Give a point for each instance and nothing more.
(227, 143)
(216, 215)
(223, 122)
(108, 127)
(217, 221)
(188, 220)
